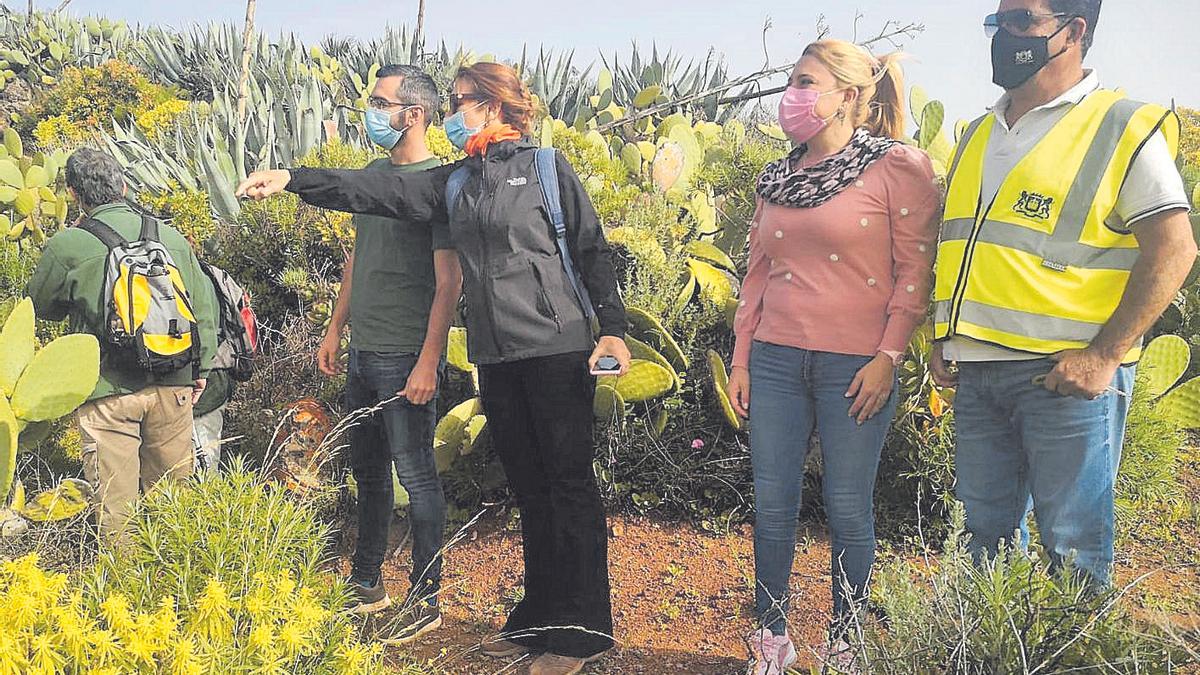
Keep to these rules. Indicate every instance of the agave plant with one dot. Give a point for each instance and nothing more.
(559, 85)
(674, 79)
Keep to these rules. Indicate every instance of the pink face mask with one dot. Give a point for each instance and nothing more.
(797, 114)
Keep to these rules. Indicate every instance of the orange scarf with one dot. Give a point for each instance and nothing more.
(478, 144)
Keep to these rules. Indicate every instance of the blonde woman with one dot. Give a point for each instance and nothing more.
(841, 250)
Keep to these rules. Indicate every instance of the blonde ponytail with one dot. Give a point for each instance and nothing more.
(880, 84)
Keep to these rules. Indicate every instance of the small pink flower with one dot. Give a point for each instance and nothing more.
(697, 444)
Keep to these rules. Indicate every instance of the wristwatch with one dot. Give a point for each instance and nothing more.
(896, 357)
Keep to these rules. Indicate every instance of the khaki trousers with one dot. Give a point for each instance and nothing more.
(132, 441)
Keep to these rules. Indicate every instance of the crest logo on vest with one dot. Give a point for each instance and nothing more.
(1034, 205)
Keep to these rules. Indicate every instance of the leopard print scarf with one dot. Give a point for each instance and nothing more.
(813, 186)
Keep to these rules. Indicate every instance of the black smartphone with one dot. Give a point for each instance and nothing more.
(606, 365)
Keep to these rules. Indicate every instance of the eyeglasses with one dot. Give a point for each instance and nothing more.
(456, 100)
(380, 103)
(1014, 21)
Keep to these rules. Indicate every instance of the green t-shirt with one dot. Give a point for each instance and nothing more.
(393, 284)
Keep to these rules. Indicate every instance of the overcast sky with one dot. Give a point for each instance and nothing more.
(1148, 48)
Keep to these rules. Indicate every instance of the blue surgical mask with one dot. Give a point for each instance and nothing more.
(457, 130)
(380, 129)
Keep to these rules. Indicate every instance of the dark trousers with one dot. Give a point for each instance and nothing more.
(401, 436)
(540, 416)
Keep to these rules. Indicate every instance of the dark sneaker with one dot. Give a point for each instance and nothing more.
(367, 598)
(502, 649)
(410, 623)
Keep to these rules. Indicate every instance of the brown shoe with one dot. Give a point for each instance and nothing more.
(502, 649)
(556, 664)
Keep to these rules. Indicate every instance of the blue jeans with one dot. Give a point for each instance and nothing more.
(1017, 440)
(791, 392)
(400, 435)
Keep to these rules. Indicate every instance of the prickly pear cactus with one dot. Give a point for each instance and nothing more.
(452, 428)
(651, 330)
(645, 381)
(702, 250)
(17, 344)
(58, 379)
(716, 286)
(641, 350)
(1163, 362)
(9, 433)
(608, 404)
(720, 381)
(473, 434)
(1182, 404)
(456, 350)
(67, 500)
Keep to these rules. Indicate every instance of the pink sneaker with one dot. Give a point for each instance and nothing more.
(838, 658)
(770, 654)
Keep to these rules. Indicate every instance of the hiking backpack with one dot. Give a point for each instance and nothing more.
(547, 173)
(237, 325)
(148, 320)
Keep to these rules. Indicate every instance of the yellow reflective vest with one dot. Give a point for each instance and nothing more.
(1042, 267)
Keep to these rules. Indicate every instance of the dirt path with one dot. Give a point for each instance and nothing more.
(682, 598)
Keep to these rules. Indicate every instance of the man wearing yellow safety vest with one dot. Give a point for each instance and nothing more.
(1065, 236)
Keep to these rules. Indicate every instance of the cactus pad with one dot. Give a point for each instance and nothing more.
(456, 350)
(473, 434)
(8, 448)
(67, 500)
(59, 378)
(720, 380)
(17, 344)
(1183, 404)
(651, 330)
(1163, 362)
(608, 404)
(452, 428)
(645, 381)
(702, 250)
(644, 352)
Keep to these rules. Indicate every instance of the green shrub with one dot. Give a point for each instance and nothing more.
(1009, 615)
(236, 567)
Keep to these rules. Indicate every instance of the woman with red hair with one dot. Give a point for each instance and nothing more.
(535, 274)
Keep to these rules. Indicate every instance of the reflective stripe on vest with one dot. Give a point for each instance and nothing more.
(1043, 266)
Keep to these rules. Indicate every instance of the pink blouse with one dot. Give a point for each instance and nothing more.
(851, 276)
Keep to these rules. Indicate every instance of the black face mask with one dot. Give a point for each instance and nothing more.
(1016, 59)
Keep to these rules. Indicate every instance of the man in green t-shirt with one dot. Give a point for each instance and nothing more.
(400, 288)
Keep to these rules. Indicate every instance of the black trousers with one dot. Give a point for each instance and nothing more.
(540, 416)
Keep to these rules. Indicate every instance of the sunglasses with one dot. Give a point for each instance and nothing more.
(1015, 21)
(456, 100)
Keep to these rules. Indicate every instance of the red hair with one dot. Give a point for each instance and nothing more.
(499, 83)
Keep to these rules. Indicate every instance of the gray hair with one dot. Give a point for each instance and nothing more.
(95, 177)
(1088, 10)
(416, 87)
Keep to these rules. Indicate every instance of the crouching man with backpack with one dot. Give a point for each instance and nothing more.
(237, 345)
(135, 284)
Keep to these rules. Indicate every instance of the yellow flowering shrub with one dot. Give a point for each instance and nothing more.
(190, 212)
(278, 626)
(87, 100)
